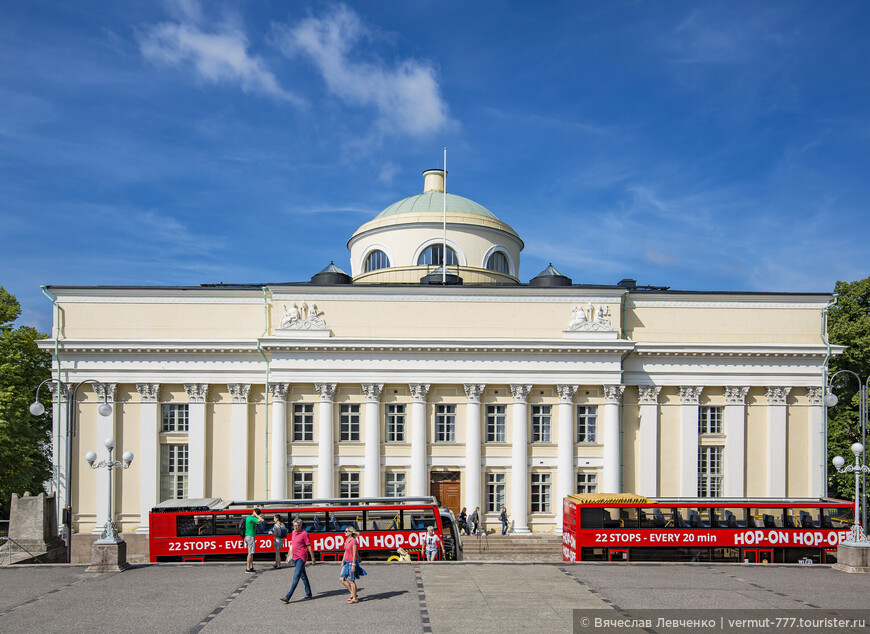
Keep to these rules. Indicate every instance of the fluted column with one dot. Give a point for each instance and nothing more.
(59, 413)
(565, 472)
(648, 440)
(326, 444)
(520, 459)
(611, 476)
(777, 440)
(419, 466)
(372, 483)
(196, 397)
(690, 396)
(816, 443)
(105, 429)
(472, 444)
(148, 457)
(734, 464)
(278, 446)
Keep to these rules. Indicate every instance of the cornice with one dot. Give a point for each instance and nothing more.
(727, 350)
(96, 346)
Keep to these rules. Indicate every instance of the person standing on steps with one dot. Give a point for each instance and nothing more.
(300, 548)
(475, 520)
(251, 522)
(503, 518)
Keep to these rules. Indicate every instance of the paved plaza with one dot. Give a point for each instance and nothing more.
(448, 597)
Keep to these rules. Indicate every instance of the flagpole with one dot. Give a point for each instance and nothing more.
(444, 200)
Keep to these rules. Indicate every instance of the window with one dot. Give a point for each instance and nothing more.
(173, 472)
(540, 423)
(587, 482)
(586, 423)
(348, 423)
(498, 262)
(348, 484)
(395, 423)
(303, 485)
(394, 484)
(709, 472)
(434, 254)
(495, 423)
(445, 423)
(175, 417)
(303, 422)
(710, 420)
(494, 492)
(540, 492)
(376, 260)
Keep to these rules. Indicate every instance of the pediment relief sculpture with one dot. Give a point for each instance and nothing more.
(302, 317)
(589, 319)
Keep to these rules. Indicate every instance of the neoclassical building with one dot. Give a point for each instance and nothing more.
(402, 378)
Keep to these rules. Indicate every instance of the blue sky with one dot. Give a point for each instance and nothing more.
(701, 146)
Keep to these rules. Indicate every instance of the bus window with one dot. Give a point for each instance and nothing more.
(421, 519)
(652, 518)
(382, 520)
(698, 518)
(340, 520)
(628, 518)
(194, 525)
(228, 524)
(611, 518)
(766, 517)
(806, 518)
(591, 517)
(728, 518)
(310, 521)
(839, 518)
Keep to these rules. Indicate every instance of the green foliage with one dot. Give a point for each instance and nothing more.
(25, 440)
(848, 325)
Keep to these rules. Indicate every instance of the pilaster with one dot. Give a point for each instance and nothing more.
(372, 475)
(648, 440)
(196, 434)
(610, 476)
(734, 420)
(149, 454)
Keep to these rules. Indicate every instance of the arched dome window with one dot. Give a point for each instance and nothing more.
(434, 254)
(498, 262)
(376, 260)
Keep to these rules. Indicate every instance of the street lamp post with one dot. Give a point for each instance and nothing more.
(839, 462)
(110, 533)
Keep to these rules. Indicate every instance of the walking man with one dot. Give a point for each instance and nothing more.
(475, 520)
(251, 522)
(300, 548)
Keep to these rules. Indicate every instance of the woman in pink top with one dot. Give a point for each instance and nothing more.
(350, 568)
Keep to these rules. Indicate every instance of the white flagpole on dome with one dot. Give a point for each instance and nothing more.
(444, 199)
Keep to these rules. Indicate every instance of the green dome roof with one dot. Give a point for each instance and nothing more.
(433, 201)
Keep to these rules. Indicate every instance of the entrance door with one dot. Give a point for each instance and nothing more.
(444, 486)
(757, 556)
(618, 555)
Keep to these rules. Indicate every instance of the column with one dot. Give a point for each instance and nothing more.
(472, 445)
(419, 466)
(734, 419)
(326, 442)
(611, 477)
(372, 475)
(519, 507)
(648, 441)
(196, 397)
(689, 401)
(105, 429)
(816, 443)
(777, 441)
(239, 440)
(59, 422)
(566, 474)
(278, 442)
(148, 459)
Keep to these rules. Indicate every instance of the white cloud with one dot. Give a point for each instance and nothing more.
(406, 96)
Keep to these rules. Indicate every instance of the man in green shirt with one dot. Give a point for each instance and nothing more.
(251, 522)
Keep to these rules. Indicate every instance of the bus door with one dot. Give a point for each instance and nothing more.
(618, 555)
(830, 556)
(757, 555)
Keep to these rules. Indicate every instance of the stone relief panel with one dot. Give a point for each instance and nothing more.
(302, 317)
(589, 319)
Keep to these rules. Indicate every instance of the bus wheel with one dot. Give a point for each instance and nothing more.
(393, 558)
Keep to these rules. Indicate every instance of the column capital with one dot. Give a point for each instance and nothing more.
(736, 395)
(277, 390)
(815, 395)
(372, 391)
(473, 392)
(520, 392)
(326, 391)
(419, 392)
(239, 392)
(106, 391)
(648, 394)
(53, 388)
(612, 394)
(148, 392)
(196, 392)
(777, 395)
(690, 394)
(566, 393)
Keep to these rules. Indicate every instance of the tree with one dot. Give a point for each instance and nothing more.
(848, 325)
(25, 440)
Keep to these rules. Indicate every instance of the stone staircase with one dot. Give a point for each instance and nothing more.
(538, 547)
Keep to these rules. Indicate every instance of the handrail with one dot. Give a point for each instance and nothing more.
(9, 541)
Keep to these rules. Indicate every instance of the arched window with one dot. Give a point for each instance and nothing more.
(434, 254)
(498, 262)
(377, 260)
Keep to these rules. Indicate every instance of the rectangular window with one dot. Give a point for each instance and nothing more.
(587, 416)
(710, 420)
(348, 484)
(303, 485)
(540, 492)
(394, 484)
(303, 422)
(709, 472)
(540, 423)
(495, 484)
(348, 423)
(175, 417)
(445, 423)
(395, 426)
(495, 417)
(587, 482)
(173, 472)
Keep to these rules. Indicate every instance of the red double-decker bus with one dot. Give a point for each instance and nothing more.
(626, 527)
(204, 529)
